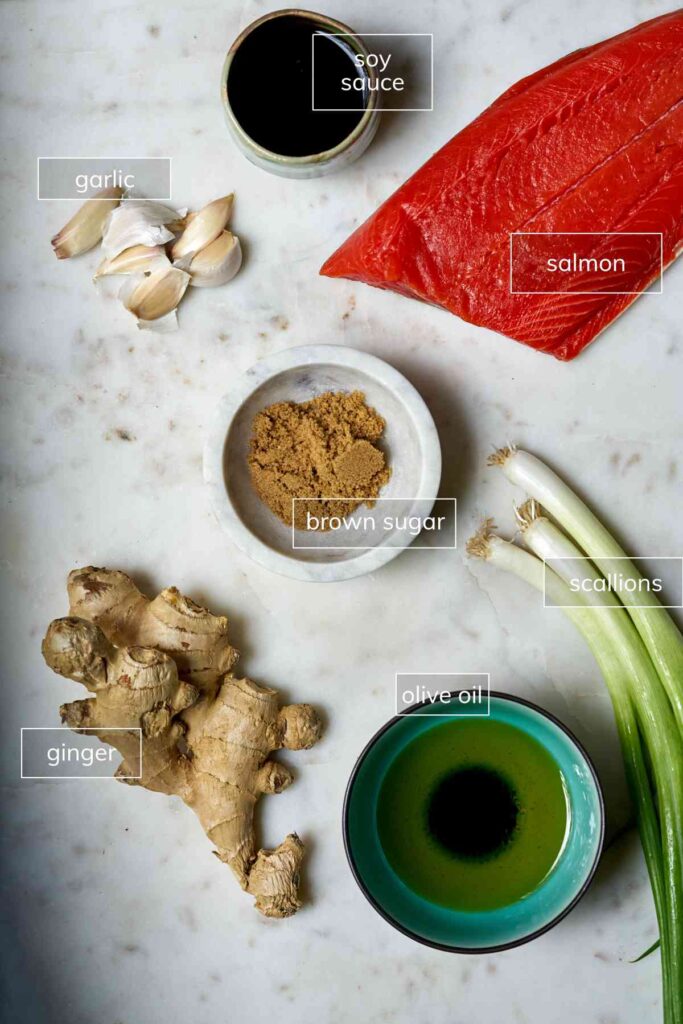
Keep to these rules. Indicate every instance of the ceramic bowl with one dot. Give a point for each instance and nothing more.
(410, 443)
(317, 164)
(481, 931)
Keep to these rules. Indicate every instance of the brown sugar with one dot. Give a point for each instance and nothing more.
(323, 448)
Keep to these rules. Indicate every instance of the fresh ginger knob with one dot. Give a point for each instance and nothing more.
(160, 670)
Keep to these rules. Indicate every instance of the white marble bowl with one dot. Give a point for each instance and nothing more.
(410, 442)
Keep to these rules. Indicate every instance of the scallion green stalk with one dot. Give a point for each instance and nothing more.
(653, 711)
(616, 666)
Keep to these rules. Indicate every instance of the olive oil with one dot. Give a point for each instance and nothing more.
(473, 814)
(276, 72)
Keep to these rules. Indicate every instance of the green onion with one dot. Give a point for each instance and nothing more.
(504, 555)
(650, 949)
(642, 677)
(653, 710)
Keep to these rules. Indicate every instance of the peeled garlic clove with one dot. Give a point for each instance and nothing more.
(139, 258)
(153, 296)
(85, 228)
(217, 263)
(203, 227)
(138, 222)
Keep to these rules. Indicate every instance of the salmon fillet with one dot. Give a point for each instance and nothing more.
(592, 143)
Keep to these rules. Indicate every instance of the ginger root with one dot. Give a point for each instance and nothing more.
(164, 666)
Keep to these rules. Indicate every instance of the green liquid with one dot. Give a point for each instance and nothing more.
(473, 814)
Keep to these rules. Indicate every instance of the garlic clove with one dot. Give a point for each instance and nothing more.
(217, 263)
(203, 227)
(162, 325)
(136, 259)
(178, 226)
(151, 297)
(85, 228)
(138, 222)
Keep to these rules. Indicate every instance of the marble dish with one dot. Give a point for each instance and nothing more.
(410, 442)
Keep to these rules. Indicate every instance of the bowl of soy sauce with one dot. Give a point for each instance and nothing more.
(474, 833)
(298, 94)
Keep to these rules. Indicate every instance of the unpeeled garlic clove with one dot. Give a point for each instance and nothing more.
(205, 226)
(85, 228)
(178, 226)
(217, 263)
(136, 259)
(151, 297)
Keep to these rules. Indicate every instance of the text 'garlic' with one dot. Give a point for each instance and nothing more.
(205, 226)
(217, 263)
(153, 296)
(85, 228)
(138, 222)
(137, 259)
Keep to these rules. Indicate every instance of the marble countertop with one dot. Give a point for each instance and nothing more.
(116, 911)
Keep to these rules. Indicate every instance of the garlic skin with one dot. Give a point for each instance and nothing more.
(203, 228)
(162, 325)
(178, 226)
(217, 263)
(85, 228)
(138, 222)
(137, 259)
(149, 297)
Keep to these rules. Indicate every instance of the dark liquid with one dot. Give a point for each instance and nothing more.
(472, 813)
(270, 87)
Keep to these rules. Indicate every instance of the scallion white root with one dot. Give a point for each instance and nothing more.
(658, 631)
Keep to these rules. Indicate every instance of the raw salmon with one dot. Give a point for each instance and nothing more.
(592, 143)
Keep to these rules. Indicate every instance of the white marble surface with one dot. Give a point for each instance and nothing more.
(117, 912)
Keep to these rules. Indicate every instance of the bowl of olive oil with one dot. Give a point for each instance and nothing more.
(474, 833)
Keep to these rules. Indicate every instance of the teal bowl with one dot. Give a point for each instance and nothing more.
(485, 931)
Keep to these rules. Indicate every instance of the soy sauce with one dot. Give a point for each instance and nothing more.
(472, 812)
(270, 87)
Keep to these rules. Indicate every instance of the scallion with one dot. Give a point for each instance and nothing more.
(640, 653)
(656, 627)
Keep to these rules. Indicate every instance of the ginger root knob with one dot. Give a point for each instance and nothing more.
(160, 669)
